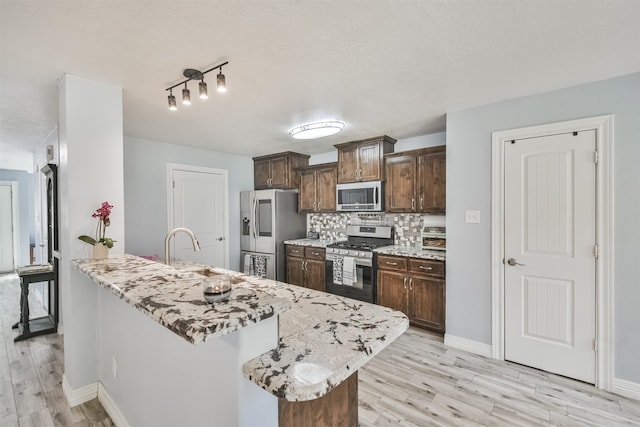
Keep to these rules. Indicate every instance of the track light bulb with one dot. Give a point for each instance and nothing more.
(222, 85)
(172, 102)
(186, 95)
(203, 90)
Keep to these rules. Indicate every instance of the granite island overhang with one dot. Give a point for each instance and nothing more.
(321, 339)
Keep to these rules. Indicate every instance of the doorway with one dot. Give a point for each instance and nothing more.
(552, 201)
(8, 226)
(197, 199)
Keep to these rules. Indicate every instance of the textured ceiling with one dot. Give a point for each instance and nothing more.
(383, 67)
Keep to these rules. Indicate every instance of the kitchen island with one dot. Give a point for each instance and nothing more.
(300, 345)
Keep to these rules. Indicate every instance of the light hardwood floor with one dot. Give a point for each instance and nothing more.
(416, 381)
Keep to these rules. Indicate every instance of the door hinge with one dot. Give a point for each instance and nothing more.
(174, 184)
(595, 251)
(595, 344)
(596, 157)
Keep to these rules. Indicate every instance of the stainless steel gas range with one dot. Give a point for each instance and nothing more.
(349, 264)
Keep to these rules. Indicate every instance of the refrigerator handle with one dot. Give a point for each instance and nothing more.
(255, 215)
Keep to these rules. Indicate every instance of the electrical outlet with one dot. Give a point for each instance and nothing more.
(472, 217)
(114, 367)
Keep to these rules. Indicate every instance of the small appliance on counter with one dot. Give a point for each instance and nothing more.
(434, 238)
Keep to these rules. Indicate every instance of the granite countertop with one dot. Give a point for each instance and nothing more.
(316, 243)
(173, 297)
(323, 338)
(411, 252)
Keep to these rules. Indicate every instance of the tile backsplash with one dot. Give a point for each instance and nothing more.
(407, 227)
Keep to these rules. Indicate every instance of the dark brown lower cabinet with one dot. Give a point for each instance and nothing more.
(414, 286)
(306, 267)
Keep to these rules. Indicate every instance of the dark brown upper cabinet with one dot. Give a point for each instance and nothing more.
(278, 170)
(363, 160)
(318, 188)
(416, 181)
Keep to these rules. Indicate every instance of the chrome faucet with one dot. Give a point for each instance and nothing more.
(196, 245)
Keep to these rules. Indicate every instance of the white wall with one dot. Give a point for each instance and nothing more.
(146, 196)
(469, 187)
(15, 158)
(90, 172)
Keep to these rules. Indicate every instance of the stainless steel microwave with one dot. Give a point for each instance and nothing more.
(359, 196)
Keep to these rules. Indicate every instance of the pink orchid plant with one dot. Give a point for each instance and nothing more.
(102, 213)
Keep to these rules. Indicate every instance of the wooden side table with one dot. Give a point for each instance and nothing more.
(28, 328)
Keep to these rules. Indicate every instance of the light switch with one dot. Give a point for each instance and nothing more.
(472, 217)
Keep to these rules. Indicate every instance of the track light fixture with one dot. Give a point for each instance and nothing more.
(222, 85)
(192, 74)
(172, 101)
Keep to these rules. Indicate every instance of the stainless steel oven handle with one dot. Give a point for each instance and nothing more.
(365, 262)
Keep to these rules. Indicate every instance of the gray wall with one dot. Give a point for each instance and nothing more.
(469, 187)
(26, 211)
(146, 195)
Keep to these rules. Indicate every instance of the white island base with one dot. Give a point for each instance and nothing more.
(149, 376)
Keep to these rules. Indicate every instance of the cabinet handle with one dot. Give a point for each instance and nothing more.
(426, 268)
(315, 253)
(421, 203)
(405, 282)
(411, 284)
(413, 204)
(391, 263)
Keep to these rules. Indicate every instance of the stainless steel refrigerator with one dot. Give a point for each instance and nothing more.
(268, 218)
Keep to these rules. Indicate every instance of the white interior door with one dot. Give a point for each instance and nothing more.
(550, 235)
(200, 204)
(7, 255)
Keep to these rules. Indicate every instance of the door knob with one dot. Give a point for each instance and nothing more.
(220, 239)
(513, 261)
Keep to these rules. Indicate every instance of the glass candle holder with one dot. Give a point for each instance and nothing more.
(216, 288)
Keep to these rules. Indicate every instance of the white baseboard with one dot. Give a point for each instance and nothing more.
(626, 388)
(467, 345)
(81, 395)
(111, 408)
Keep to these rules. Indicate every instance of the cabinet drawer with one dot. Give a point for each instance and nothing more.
(295, 251)
(314, 253)
(387, 262)
(426, 266)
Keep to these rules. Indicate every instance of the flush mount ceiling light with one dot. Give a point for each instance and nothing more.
(316, 129)
(192, 74)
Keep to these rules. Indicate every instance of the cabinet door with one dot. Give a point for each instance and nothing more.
(391, 290)
(369, 162)
(261, 174)
(400, 191)
(315, 275)
(280, 172)
(307, 197)
(347, 164)
(432, 183)
(295, 273)
(427, 302)
(326, 189)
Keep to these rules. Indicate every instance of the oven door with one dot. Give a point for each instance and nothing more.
(363, 286)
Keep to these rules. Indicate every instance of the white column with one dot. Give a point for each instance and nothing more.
(90, 172)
